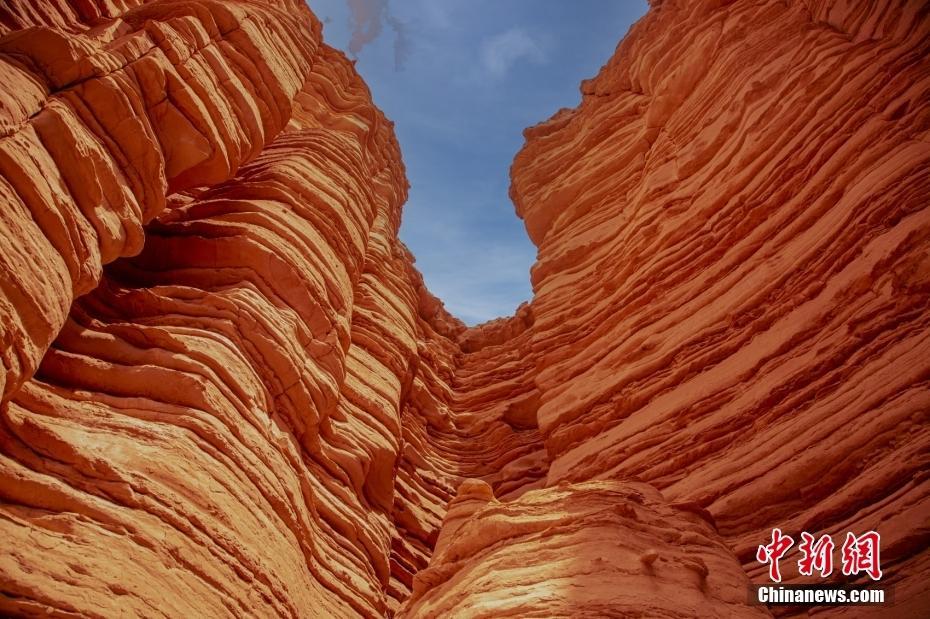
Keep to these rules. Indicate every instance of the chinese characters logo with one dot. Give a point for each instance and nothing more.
(859, 554)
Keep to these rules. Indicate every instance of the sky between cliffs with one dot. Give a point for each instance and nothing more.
(461, 79)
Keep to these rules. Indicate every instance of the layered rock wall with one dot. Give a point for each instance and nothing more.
(743, 196)
(226, 390)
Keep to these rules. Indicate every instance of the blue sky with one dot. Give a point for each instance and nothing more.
(461, 79)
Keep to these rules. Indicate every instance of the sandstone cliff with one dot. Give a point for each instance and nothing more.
(227, 392)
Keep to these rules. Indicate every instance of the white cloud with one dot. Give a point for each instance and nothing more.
(476, 276)
(500, 52)
(368, 18)
(367, 21)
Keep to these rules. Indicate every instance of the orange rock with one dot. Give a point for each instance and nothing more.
(572, 552)
(226, 391)
(728, 304)
(99, 125)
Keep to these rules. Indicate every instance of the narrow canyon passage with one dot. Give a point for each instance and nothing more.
(226, 390)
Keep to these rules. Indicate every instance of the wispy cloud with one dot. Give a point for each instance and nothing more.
(368, 19)
(500, 52)
(478, 273)
(401, 42)
(478, 281)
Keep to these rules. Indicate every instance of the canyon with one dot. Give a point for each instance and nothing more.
(226, 390)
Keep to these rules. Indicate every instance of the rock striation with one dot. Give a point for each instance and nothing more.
(742, 194)
(599, 549)
(226, 390)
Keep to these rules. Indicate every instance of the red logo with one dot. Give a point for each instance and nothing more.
(817, 555)
(773, 552)
(859, 554)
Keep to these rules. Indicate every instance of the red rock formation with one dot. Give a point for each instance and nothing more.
(226, 390)
(743, 193)
(596, 549)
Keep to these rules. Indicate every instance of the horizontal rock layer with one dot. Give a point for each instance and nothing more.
(742, 196)
(226, 390)
(594, 549)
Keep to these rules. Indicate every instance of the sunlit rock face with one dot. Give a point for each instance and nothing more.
(594, 549)
(227, 392)
(732, 289)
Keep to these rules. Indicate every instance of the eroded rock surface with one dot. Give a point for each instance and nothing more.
(227, 392)
(593, 549)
